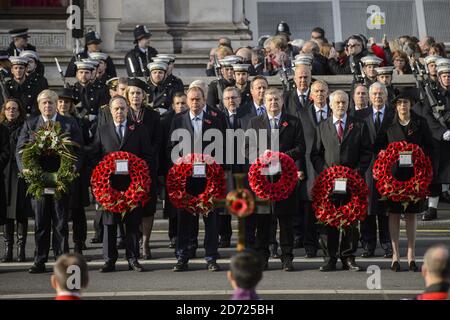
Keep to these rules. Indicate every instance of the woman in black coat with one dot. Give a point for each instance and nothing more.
(144, 115)
(18, 205)
(79, 193)
(410, 127)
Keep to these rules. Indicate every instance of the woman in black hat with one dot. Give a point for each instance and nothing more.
(412, 128)
(142, 114)
(79, 194)
(18, 209)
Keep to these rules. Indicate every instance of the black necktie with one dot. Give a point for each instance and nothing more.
(232, 120)
(119, 133)
(377, 121)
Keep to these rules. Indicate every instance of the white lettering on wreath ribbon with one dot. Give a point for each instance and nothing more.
(122, 167)
(199, 170)
(340, 186)
(405, 159)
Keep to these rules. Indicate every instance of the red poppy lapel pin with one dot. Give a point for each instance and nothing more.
(132, 127)
(350, 127)
(285, 124)
(208, 121)
(410, 132)
(214, 114)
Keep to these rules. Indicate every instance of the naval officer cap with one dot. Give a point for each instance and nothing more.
(385, 70)
(228, 61)
(29, 54)
(431, 59)
(303, 59)
(161, 59)
(443, 69)
(442, 62)
(19, 33)
(241, 67)
(157, 66)
(171, 57)
(371, 60)
(23, 61)
(84, 65)
(98, 56)
(94, 62)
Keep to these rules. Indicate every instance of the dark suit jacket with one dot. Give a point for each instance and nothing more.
(292, 143)
(183, 121)
(375, 206)
(135, 141)
(245, 112)
(68, 125)
(292, 103)
(4, 160)
(354, 152)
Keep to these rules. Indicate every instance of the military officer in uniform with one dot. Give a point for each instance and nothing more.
(430, 65)
(92, 44)
(216, 87)
(102, 75)
(89, 96)
(439, 123)
(171, 79)
(370, 63)
(384, 76)
(35, 67)
(161, 92)
(142, 54)
(24, 88)
(19, 42)
(242, 83)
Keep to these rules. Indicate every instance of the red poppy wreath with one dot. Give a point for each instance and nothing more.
(413, 189)
(343, 216)
(274, 191)
(112, 200)
(177, 179)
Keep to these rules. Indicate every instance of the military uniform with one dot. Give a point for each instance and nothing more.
(28, 91)
(245, 93)
(90, 38)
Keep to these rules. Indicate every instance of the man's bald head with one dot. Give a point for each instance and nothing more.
(436, 262)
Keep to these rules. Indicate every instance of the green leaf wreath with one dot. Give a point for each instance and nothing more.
(49, 141)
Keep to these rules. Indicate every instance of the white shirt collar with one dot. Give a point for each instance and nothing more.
(53, 118)
(325, 108)
(278, 116)
(124, 124)
(299, 93)
(382, 110)
(344, 120)
(358, 108)
(257, 107)
(192, 116)
(231, 113)
(143, 50)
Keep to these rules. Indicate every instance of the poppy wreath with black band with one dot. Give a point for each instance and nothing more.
(345, 215)
(412, 190)
(177, 180)
(112, 200)
(274, 191)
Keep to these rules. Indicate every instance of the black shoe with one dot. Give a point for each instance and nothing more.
(180, 266)
(310, 254)
(350, 264)
(213, 266)
(108, 267)
(368, 253)
(96, 240)
(287, 265)
(298, 243)
(121, 245)
(273, 248)
(135, 265)
(224, 244)
(395, 266)
(413, 267)
(431, 214)
(387, 253)
(37, 268)
(329, 266)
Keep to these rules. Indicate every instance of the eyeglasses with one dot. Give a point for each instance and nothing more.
(230, 98)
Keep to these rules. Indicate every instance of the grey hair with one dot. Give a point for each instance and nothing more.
(378, 85)
(337, 93)
(199, 84)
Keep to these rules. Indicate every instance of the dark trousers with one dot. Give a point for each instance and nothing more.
(132, 235)
(263, 227)
(8, 232)
(172, 227)
(250, 231)
(187, 227)
(369, 231)
(273, 231)
(79, 225)
(310, 232)
(48, 211)
(98, 225)
(346, 247)
(224, 225)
